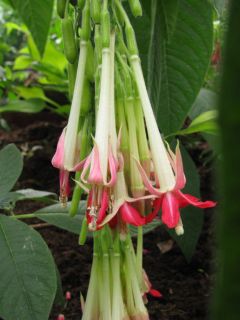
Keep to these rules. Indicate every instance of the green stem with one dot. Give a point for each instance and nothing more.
(77, 193)
(24, 216)
(139, 255)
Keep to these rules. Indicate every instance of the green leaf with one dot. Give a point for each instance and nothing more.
(205, 122)
(28, 276)
(25, 194)
(22, 62)
(192, 217)
(59, 298)
(205, 101)
(59, 217)
(11, 164)
(175, 67)
(36, 14)
(30, 92)
(33, 105)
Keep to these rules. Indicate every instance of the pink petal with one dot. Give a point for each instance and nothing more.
(155, 293)
(180, 176)
(103, 209)
(147, 182)
(113, 223)
(170, 210)
(80, 165)
(95, 175)
(113, 166)
(89, 204)
(86, 167)
(64, 183)
(156, 207)
(58, 158)
(188, 199)
(131, 216)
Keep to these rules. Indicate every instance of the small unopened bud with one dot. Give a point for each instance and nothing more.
(68, 295)
(179, 228)
(61, 317)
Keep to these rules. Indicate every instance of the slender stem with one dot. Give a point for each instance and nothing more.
(73, 121)
(139, 255)
(123, 12)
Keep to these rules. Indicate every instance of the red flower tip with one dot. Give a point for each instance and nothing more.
(61, 317)
(68, 295)
(155, 293)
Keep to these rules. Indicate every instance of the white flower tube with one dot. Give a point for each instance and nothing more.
(103, 116)
(71, 138)
(159, 154)
(112, 132)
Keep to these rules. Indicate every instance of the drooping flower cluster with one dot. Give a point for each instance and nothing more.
(128, 172)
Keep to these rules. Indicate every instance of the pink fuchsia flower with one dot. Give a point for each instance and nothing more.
(58, 162)
(102, 161)
(121, 209)
(168, 168)
(67, 152)
(61, 317)
(148, 289)
(100, 168)
(68, 296)
(171, 201)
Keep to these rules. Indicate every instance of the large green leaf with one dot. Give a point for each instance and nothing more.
(11, 165)
(192, 217)
(175, 64)
(59, 217)
(36, 14)
(28, 275)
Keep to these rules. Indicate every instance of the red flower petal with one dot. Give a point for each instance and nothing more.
(187, 199)
(170, 210)
(156, 207)
(155, 293)
(104, 206)
(131, 216)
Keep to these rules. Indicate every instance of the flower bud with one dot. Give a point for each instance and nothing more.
(136, 7)
(86, 25)
(68, 296)
(105, 28)
(96, 11)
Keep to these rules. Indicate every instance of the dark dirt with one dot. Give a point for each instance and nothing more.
(186, 287)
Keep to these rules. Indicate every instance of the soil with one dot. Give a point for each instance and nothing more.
(186, 287)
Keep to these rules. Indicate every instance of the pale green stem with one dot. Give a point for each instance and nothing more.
(139, 256)
(71, 137)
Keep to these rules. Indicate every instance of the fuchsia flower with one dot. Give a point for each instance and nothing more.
(148, 287)
(171, 201)
(168, 168)
(100, 168)
(58, 162)
(68, 150)
(121, 208)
